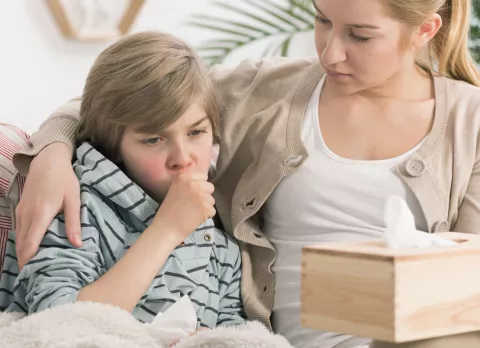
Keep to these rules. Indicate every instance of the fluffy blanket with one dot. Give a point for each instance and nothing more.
(93, 325)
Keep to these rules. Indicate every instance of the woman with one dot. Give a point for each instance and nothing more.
(312, 148)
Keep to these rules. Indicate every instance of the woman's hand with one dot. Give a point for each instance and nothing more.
(51, 187)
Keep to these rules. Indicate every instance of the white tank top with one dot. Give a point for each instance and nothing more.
(329, 199)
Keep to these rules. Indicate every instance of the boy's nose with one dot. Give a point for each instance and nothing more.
(180, 159)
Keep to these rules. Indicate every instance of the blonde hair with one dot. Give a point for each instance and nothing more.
(146, 80)
(449, 48)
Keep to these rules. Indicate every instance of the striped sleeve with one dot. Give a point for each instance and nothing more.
(11, 183)
(59, 271)
(231, 311)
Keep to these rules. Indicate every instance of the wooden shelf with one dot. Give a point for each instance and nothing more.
(68, 30)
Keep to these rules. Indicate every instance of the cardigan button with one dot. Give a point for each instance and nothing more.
(416, 168)
(294, 161)
(441, 226)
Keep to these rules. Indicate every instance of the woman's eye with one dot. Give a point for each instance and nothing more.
(321, 20)
(358, 38)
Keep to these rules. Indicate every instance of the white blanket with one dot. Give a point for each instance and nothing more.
(93, 325)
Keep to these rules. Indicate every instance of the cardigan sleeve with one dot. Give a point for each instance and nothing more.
(61, 127)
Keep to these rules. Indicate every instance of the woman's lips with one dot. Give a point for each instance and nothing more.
(336, 75)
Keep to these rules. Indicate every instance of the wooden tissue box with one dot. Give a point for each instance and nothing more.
(394, 295)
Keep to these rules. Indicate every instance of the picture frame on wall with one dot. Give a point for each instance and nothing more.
(94, 20)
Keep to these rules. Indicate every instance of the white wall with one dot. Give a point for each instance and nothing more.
(40, 69)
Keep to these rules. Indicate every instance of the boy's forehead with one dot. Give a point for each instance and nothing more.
(194, 116)
(195, 113)
(188, 120)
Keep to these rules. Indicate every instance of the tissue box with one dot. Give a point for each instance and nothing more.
(394, 295)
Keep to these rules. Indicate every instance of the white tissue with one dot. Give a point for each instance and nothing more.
(400, 229)
(177, 322)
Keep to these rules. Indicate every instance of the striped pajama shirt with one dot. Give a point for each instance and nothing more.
(114, 212)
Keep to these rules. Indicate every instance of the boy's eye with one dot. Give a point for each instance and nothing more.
(197, 132)
(151, 140)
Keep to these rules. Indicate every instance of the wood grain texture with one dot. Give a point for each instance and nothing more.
(392, 295)
(60, 16)
(67, 29)
(130, 15)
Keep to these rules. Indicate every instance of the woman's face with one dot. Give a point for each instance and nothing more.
(360, 45)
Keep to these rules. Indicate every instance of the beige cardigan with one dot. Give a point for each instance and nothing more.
(265, 102)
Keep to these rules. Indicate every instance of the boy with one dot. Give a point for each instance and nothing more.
(148, 124)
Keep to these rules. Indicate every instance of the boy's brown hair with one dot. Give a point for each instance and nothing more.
(146, 80)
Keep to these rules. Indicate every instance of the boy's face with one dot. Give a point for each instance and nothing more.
(153, 160)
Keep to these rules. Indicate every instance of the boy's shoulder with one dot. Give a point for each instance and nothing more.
(89, 157)
(86, 168)
(103, 186)
(226, 244)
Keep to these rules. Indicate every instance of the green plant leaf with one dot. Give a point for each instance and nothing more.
(476, 8)
(475, 51)
(229, 41)
(236, 24)
(213, 48)
(249, 15)
(290, 12)
(287, 19)
(212, 26)
(285, 46)
(275, 21)
(271, 48)
(302, 4)
(475, 32)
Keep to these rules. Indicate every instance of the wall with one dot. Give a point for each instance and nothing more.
(40, 69)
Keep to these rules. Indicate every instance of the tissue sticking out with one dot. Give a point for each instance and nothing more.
(400, 230)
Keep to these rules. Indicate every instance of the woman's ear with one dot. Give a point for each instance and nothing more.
(425, 32)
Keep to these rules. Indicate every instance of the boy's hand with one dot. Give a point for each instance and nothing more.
(189, 202)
